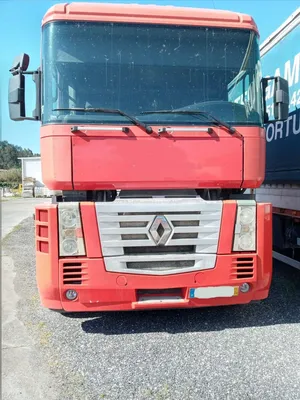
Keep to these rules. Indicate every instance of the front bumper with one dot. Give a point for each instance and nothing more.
(100, 290)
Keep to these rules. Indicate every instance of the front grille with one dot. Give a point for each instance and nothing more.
(74, 273)
(159, 235)
(243, 268)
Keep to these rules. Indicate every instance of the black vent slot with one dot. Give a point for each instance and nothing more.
(73, 274)
(159, 292)
(160, 265)
(159, 250)
(244, 268)
(185, 235)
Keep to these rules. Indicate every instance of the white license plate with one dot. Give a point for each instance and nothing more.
(213, 292)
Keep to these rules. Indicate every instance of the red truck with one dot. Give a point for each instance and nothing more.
(152, 129)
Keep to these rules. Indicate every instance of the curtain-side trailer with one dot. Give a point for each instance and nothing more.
(280, 55)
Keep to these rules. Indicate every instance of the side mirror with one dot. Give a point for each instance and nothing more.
(281, 98)
(20, 64)
(16, 97)
(16, 90)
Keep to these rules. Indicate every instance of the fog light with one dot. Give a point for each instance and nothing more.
(71, 294)
(244, 288)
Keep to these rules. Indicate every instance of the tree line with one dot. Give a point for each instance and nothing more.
(9, 154)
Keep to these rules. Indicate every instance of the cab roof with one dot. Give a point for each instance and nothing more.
(135, 13)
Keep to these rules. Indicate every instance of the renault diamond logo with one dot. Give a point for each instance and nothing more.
(160, 230)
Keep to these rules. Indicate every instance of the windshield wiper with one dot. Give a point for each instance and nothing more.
(134, 120)
(216, 121)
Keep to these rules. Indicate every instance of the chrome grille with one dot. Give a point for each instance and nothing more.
(139, 234)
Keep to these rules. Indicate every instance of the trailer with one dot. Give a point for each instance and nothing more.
(280, 56)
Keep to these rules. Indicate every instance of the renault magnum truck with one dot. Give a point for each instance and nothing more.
(151, 152)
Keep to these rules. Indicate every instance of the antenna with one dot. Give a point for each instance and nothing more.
(213, 1)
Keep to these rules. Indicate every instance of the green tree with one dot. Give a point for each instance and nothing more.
(10, 178)
(9, 154)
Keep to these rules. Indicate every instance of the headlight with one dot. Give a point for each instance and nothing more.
(68, 218)
(245, 226)
(69, 246)
(247, 215)
(71, 242)
(246, 241)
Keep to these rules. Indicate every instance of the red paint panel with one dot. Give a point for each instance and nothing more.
(150, 163)
(56, 161)
(149, 14)
(41, 215)
(264, 245)
(109, 159)
(90, 230)
(227, 227)
(43, 247)
(254, 161)
(47, 273)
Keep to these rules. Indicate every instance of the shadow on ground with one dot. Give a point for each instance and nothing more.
(282, 307)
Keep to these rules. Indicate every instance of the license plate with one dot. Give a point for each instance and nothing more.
(213, 292)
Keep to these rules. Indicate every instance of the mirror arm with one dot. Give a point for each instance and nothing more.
(30, 72)
(19, 71)
(37, 78)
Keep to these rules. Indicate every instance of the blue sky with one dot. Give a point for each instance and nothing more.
(20, 32)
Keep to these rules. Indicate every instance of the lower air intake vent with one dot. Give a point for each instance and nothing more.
(159, 294)
(161, 265)
(74, 273)
(243, 268)
(159, 250)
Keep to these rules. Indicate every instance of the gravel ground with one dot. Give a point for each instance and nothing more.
(238, 352)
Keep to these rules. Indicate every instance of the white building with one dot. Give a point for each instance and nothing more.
(32, 183)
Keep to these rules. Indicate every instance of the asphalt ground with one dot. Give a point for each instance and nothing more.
(14, 210)
(237, 352)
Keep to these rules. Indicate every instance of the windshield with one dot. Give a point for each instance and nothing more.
(141, 67)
